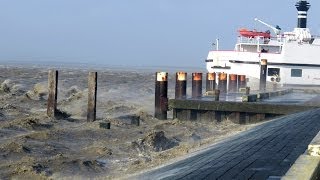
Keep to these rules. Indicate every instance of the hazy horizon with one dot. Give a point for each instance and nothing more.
(134, 33)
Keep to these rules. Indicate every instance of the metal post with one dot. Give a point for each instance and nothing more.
(181, 85)
(53, 93)
(242, 83)
(222, 86)
(216, 94)
(211, 82)
(263, 75)
(92, 96)
(247, 90)
(161, 96)
(233, 83)
(196, 85)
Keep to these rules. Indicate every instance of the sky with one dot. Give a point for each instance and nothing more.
(135, 32)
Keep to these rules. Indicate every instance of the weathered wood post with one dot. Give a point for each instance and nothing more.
(196, 85)
(210, 82)
(216, 94)
(233, 82)
(53, 93)
(247, 90)
(92, 96)
(242, 83)
(181, 85)
(161, 96)
(263, 75)
(223, 78)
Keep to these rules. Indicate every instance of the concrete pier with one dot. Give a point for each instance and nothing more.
(264, 152)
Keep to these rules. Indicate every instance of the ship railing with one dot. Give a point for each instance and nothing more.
(258, 40)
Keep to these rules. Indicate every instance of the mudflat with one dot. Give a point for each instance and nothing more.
(34, 146)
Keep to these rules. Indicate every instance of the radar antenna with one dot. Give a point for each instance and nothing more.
(276, 29)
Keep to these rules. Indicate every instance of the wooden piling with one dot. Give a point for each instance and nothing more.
(53, 93)
(196, 85)
(263, 74)
(222, 86)
(181, 85)
(210, 82)
(233, 83)
(92, 96)
(247, 90)
(242, 83)
(216, 94)
(161, 96)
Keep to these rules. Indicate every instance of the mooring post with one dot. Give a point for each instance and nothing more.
(53, 93)
(210, 82)
(242, 83)
(181, 85)
(263, 74)
(216, 94)
(161, 96)
(247, 90)
(223, 78)
(233, 82)
(196, 85)
(92, 96)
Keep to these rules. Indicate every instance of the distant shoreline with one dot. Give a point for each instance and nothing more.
(98, 66)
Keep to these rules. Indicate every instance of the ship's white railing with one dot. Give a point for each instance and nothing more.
(259, 40)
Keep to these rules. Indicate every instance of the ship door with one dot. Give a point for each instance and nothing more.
(275, 74)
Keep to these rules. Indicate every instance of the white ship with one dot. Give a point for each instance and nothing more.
(293, 57)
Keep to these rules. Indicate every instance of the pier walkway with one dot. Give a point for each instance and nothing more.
(266, 151)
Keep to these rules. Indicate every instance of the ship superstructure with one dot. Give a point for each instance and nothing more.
(293, 57)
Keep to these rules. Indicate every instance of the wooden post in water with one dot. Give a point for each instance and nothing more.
(233, 82)
(242, 83)
(211, 82)
(222, 86)
(53, 93)
(216, 94)
(161, 96)
(263, 75)
(92, 96)
(181, 85)
(247, 90)
(196, 85)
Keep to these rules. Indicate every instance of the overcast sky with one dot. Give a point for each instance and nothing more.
(135, 32)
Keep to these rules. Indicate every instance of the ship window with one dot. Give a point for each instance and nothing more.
(296, 72)
(273, 71)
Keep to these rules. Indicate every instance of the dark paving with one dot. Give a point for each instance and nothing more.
(266, 151)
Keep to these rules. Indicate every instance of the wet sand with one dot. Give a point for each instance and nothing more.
(35, 146)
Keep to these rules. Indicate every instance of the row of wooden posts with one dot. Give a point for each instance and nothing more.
(236, 82)
(161, 89)
(53, 94)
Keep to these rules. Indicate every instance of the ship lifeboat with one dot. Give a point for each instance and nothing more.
(252, 34)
